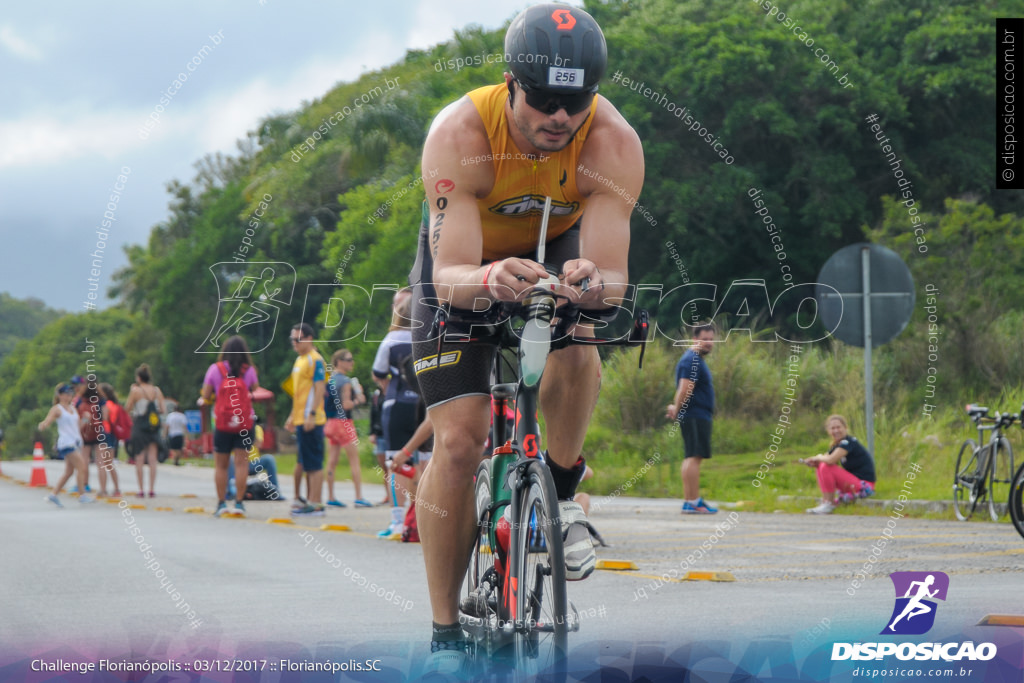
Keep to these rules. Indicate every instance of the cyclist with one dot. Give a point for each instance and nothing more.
(544, 132)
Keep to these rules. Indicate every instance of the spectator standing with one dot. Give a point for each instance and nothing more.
(146, 405)
(340, 399)
(176, 425)
(693, 407)
(307, 418)
(227, 385)
(93, 418)
(399, 411)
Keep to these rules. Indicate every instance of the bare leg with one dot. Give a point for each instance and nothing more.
(83, 471)
(568, 394)
(460, 431)
(353, 465)
(140, 463)
(333, 453)
(220, 475)
(381, 464)
(690, 472)
(70, 467)
(105, 465)
(151, 455)
(298, 478)
(241, 473)
(315, 486)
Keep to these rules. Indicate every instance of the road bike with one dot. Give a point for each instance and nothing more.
(984, 472)
(1016, 501)
(515, 604)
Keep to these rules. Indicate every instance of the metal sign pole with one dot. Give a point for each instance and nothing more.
(869, 391)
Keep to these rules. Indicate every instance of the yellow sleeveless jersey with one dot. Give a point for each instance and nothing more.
(510, 215)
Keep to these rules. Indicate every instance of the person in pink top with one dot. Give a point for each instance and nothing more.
(233, 365)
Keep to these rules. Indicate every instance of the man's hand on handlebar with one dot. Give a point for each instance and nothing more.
(509, 279)
(512, 278)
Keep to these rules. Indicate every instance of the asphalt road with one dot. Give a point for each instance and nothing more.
(75, 580)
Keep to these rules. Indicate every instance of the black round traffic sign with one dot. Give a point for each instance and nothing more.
(891, 289)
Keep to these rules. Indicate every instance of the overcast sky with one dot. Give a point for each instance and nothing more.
(80, 79)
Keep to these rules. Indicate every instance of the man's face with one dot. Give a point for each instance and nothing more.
(705, 342)
(546, 132)
(302, 345)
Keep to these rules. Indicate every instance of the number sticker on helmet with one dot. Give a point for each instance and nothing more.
(565, 78)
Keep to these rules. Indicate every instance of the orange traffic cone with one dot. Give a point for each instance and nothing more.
(38, 471)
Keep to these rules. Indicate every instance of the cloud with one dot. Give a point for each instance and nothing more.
(18, 46)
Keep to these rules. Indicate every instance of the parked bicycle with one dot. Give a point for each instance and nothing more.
(515, 601)
(984, 472)
(1016, 501)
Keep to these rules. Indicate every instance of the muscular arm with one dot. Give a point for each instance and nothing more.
(610, 176)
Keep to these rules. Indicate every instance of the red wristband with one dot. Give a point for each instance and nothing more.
(406, 452)
(487, 274)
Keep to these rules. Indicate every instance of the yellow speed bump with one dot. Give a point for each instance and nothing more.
(137, 506)
(164, 509)
(1002, 620)
(616, 565)
(197, 510)
(188, 495)
(335, 527)
(709, 576)
(113, 501)
(279, 520)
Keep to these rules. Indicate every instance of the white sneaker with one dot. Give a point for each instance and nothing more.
(826, 508)
(443, 665)
(578, 546)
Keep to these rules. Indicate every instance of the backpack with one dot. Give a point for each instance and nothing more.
(233, 410)
(151, 418)
(411, 534)
(120, 421)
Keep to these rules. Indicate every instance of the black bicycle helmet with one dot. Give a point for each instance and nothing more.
(559, 36)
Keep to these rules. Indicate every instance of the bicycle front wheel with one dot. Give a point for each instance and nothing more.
(1000, 476)
(479, 616)
(1016, 501)
(538, 584)
(965, 481)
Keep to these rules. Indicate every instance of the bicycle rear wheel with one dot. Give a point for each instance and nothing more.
(1016, 501)
(965, 481)
(539, 580)
(1000, 476)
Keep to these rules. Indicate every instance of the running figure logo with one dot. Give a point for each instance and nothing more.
(914, 612)
(246, 303)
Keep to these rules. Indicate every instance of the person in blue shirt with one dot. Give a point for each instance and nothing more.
(693, 407)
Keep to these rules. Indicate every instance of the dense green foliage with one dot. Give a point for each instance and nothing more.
(343, 180)
(21, 319)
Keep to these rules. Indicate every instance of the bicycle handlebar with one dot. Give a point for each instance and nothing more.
(496, 325)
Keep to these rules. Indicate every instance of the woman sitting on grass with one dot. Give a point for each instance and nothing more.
(842, 484)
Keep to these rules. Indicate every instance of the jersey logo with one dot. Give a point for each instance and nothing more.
(563, 19)
(565, 176)
(533, 204)
(432, 362)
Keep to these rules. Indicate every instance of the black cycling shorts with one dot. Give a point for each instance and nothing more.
(460, 369)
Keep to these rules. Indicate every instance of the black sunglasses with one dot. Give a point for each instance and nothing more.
(549, 102)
